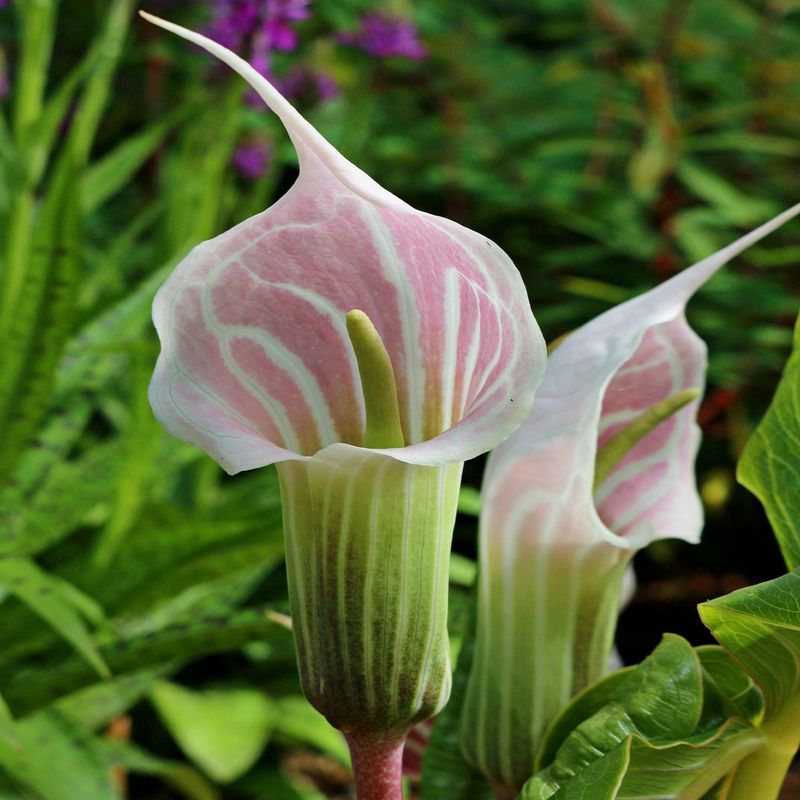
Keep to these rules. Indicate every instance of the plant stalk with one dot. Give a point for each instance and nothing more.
(762, 773)
(377, 766)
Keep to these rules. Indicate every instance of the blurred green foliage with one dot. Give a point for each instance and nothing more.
(604, 144)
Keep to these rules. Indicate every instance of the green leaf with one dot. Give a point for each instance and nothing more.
(580, 708)
(770, 464)
(55, 602)
(33, 331)
(57, 761)
(760, 627)
(31, 688)
(111, 173)
(599, 780)
(223, 731)
(469, 501)
(685, 770)
(95, 706)
(58, 507)
(298, 721)
(7, 728)
(728, 690)
(657, 706)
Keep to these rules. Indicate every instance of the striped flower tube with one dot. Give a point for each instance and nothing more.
(556, 535)
(367, 349)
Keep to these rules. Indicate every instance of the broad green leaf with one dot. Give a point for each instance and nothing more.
(717, 743)
(580, 708)
(685, 770)
(659, 701)
(57, 761)
(223, 730)
(55, 602)
(728, 690)
(770, 464)
(599, 780)
(760, 627)
(298, 721)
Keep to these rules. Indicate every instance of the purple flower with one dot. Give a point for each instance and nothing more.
(310, 85)
(252, 160)
(386, 37)
(279, 14)
(266, 24)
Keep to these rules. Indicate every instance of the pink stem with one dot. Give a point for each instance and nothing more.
(377, 767)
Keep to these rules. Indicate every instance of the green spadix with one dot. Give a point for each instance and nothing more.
(383, 428)
(622, 442)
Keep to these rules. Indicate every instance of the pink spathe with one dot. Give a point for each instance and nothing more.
(539, 483)
(256, 366)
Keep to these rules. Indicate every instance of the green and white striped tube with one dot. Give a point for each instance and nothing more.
(545, 630)
(367, 545)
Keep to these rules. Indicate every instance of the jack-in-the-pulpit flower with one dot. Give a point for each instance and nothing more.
(567, 502)
(367, 349)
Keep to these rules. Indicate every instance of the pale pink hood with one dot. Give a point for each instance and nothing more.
(256, 366)
(538, 485)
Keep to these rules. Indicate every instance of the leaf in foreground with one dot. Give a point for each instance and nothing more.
(770, 464)
(660, 710)
(223, 731)
(56, 602)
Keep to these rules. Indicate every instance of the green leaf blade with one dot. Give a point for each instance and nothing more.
(55, 602)
(770, 464)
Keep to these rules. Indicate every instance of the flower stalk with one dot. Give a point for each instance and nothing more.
(367, 349)
(378, 767)
(603, 466)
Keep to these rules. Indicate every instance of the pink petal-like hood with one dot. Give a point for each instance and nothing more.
(256, 366)
(538, 485)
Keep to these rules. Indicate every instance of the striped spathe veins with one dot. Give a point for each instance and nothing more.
(367, 540)
(564, 619)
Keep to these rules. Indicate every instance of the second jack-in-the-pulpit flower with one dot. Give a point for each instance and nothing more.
(603, 466)
(367, 349)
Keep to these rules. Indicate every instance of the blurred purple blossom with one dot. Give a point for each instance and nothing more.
(257, 26)
(305, 83)
(386, 37)
(252, 160)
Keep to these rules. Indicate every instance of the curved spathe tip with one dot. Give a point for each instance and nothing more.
(599, 378)
(256, 363)
(305, 137)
